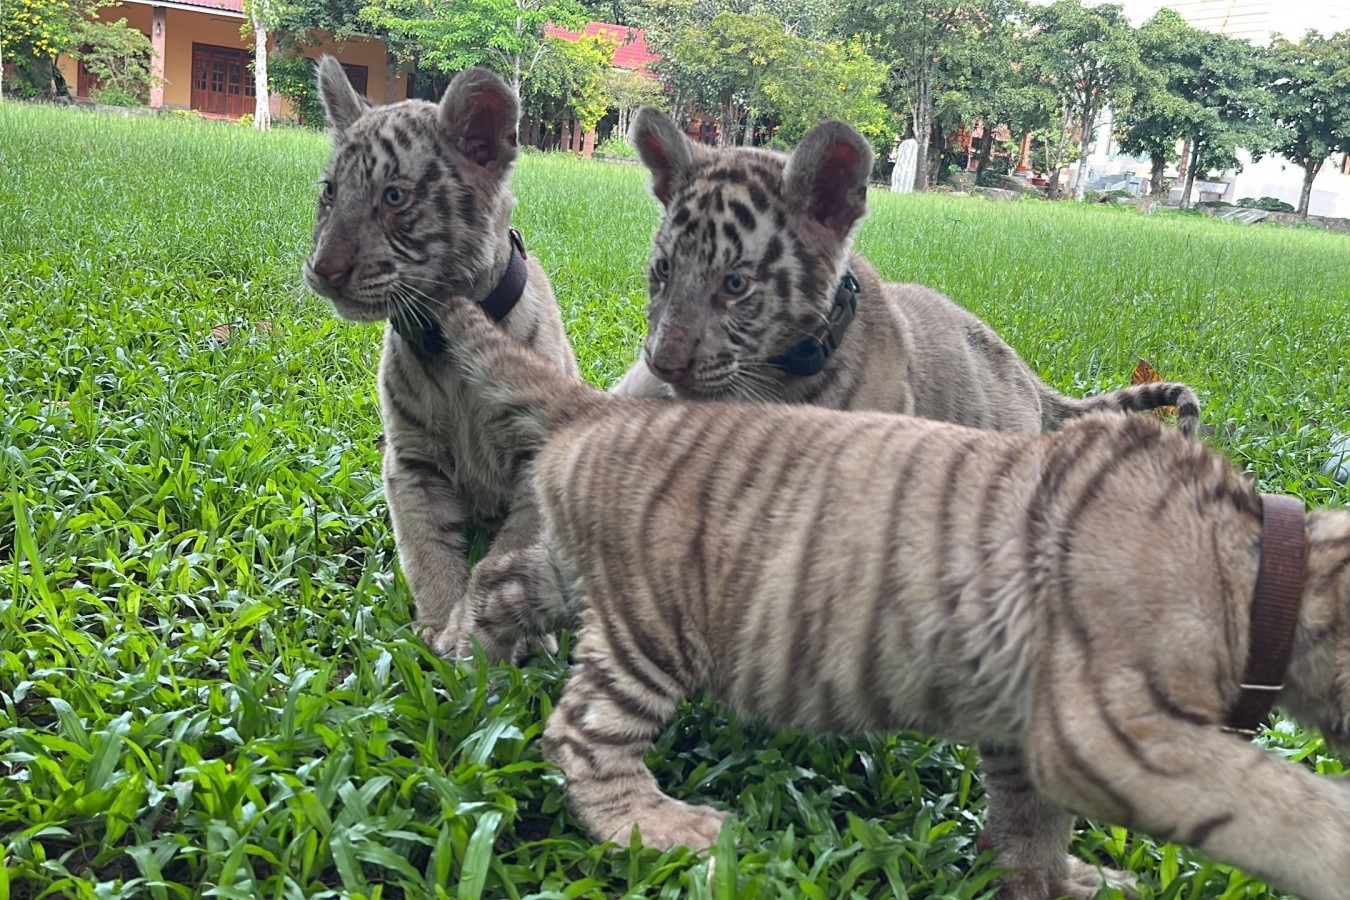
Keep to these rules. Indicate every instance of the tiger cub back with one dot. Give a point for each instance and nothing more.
(415, 209)
(864, 572)
(756, 294)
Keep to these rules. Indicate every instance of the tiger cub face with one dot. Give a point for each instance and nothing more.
(415, 198)
(749, 253)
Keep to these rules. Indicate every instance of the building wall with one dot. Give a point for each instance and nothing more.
(184, 27)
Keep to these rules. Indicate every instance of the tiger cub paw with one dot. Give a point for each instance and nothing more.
(677, 824)
(1086, 881)
(517, 604)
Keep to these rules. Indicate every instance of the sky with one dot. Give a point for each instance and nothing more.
(1297, 15)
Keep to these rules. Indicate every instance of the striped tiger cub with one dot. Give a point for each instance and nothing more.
(854, 572)
(415, 206)
(756, 294)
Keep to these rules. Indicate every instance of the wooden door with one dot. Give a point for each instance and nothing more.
(222, 84)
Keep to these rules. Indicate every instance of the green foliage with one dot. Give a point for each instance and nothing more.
(617, 145)
(33, 33)
(1311, 101)
(814, 82)
(291, 75)
(504, 35)
(120, 57)
(1273, 204)
(722, 65)
(571, 75)
(208, 682)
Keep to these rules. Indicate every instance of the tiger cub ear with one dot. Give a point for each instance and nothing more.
(478, 117)
(342, 105)
(825, 178)
(664, 150)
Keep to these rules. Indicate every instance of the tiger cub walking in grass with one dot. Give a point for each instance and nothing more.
(869, 572)
(755, 294)
(415, 207)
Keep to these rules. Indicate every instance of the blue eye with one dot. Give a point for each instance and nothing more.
(735, 285)
(662, 268)
(395, 196)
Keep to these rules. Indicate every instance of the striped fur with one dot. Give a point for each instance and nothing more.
(854, 572)
(415, 207)
(857, 572)
(745, 263)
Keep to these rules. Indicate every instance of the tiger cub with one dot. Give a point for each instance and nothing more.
(755, 294)
(415, 207)
(862, 571)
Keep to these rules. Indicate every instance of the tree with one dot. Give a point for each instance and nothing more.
(263, 16)
(1311, 103)
(813, 82)
(910, 37)
(571, 77)
(722, 66)
(985, 79)
(1157, 119)
(629, 90)
(504, 35)
(119, 56)
(1088, 55)
(33, 33)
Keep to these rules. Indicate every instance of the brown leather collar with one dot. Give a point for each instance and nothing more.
(1279, 590)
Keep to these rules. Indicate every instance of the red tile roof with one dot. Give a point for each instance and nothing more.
(234, 6)
(631, 52)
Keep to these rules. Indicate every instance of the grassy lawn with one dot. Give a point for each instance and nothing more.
(207, 682)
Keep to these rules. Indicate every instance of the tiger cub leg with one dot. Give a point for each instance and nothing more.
(598, 734)
(1197, 785)
(515, 592)
(427, 513)
(1032, 836)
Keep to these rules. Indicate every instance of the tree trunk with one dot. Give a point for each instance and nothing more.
(262, 109)
(1310, 170)
(1058, 162)
(923, 129)
(1155, 179)
(1084, 143)
(986, 151)
(1184, 164)
(748, 137)
(1191, 164)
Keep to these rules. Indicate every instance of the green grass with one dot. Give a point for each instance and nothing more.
(207, 682)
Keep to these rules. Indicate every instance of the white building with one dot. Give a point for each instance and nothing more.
(1257, 21)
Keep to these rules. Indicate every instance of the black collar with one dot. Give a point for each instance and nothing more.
(1274, 613)
(427, 338)
(809, 355)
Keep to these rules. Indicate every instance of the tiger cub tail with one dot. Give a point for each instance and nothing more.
(523, 388)
(1147, 392)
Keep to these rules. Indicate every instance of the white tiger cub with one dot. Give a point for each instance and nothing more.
(415, 207)
(871, 572)
(756, 294)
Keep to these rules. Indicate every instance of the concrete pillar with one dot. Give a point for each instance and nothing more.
(158, 23)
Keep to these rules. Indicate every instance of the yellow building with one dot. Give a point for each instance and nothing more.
(204, 58)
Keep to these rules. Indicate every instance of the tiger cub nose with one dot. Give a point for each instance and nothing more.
(334, 272)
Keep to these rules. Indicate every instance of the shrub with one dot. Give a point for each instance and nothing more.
(291, 74)
(119, 57)
(1269, 204)
(616, 145)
